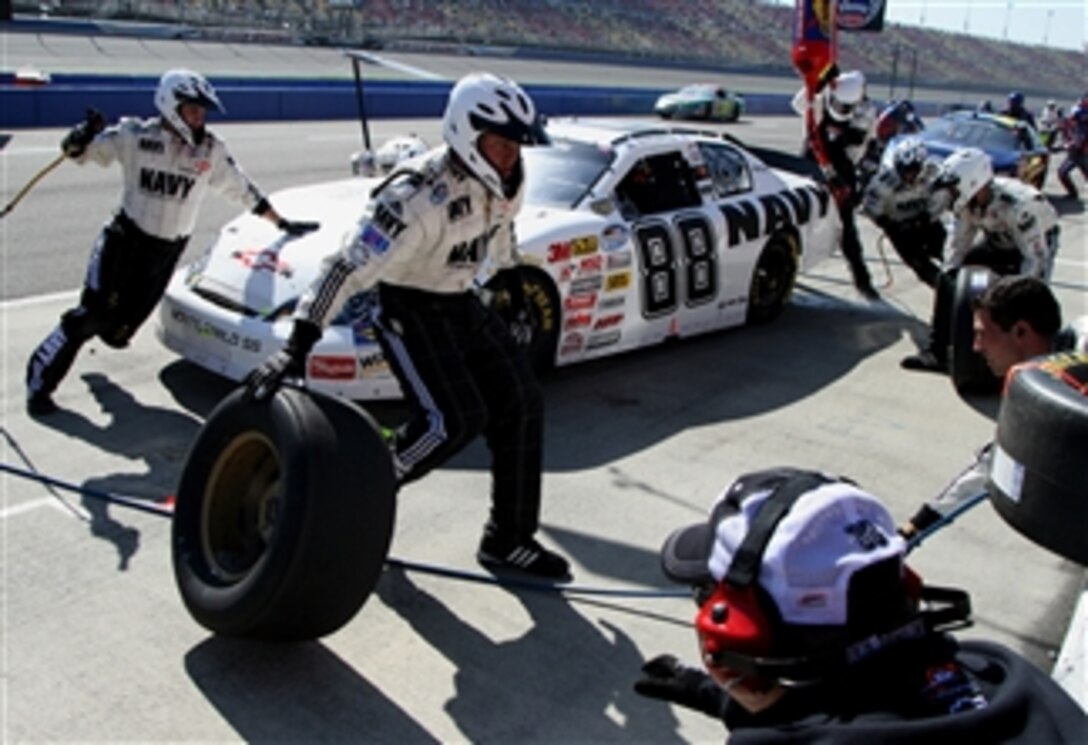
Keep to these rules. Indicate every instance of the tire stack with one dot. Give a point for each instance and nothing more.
(1039, 472)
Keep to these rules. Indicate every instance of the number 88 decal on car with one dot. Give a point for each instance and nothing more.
(631, 234)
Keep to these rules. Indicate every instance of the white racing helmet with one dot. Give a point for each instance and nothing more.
(909, 154)
(845, 93)
(480, 103)
(184, 86)
(967, 170)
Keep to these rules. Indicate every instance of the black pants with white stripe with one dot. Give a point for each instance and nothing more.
(464, 375)
(126, 277)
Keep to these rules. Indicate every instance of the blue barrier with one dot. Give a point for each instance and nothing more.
(64, 100)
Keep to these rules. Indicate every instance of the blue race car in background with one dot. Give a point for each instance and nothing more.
(1014, 146)
(701, 101)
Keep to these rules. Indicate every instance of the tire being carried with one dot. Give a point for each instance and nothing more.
(284, 516)
(969, 371)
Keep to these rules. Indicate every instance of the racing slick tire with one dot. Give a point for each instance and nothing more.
(772, 279)
(1038, 482)
(968, 368)
(284, 516)
(543, 304)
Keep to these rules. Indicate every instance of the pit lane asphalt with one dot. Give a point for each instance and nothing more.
(97, 645)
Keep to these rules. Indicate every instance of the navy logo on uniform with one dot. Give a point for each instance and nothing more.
(151, 146)
(470, 253)
(458, 208)
(390, 224)
(165, 184)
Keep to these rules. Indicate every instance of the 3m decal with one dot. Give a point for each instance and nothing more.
(558, 252)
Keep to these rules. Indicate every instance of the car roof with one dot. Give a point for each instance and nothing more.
(615, 132)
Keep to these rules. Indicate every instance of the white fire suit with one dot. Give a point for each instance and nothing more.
(422, 242)
(164, 181)
(1018, 222)
(909, 213)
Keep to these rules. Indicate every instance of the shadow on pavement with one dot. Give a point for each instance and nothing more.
(275, 692)
(578, 677)
(156, 437)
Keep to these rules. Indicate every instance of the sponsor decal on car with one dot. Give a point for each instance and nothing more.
(615, 237)
(584, 285)
(612, 301)
(373, 365)
(617, 281)
(607, 339)
(331, 367)
(211, 331)
(572, 344)
(584, 246)
(607, 322)
(619, 261)
(580, 302)
(591, 265)
(578, 321)
(263, 259)
(558, 252)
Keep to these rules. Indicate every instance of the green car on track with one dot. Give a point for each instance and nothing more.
(701, 101)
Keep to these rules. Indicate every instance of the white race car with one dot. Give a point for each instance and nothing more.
(634, 233)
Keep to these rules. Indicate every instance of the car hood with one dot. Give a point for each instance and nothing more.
(259, 269)
(539, 227)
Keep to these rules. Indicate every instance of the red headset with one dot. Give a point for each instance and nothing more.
(739, 626)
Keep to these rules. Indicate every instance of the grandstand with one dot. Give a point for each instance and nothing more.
(747, 35)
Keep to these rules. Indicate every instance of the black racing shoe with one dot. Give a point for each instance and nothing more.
(526, 557)
(40, 404)
(924, 360)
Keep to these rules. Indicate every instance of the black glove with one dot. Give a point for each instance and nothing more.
(262, 383)
(296, 228)
(76, 141)
(666, 678)
(513, 306)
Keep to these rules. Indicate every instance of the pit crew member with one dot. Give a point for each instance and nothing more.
(812, 628)
(1019, 235)
(845, 122)
(1014, 319)
(900, 199)
(422, 242)
(168, 163)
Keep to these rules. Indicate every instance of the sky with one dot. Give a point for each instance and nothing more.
(1061, 24)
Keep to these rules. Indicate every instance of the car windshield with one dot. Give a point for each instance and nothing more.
(696, 90)
(980, 133)
(560, 174)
